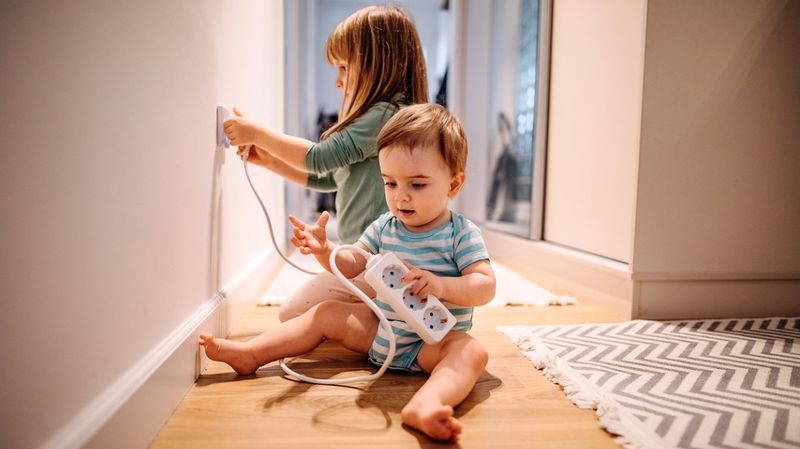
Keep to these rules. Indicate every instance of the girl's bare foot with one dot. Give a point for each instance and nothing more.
(434, 419)
(231, 352)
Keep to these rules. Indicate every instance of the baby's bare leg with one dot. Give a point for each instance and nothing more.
(352, 325)
(455, 365)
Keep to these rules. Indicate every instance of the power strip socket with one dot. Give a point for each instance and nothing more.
(428, 317)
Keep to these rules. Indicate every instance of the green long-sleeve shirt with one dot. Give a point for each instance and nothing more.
(347, 163)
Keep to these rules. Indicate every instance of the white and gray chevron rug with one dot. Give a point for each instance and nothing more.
(678, 384)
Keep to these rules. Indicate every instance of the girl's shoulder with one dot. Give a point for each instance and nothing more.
(381, 111)
(370, 122)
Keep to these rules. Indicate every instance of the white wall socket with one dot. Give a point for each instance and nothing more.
(222, 115)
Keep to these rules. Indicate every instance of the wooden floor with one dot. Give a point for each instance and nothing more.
(512, 406)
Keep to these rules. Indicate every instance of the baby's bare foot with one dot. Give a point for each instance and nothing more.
(435, 420)
(231, 352)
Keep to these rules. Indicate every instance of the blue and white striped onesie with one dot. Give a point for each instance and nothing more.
(445, 251)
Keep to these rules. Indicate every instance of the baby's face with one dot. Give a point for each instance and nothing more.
(418, 185)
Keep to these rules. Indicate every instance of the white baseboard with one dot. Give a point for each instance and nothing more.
(131, 411)
(562, 270)
(656, 296)
(731, 298)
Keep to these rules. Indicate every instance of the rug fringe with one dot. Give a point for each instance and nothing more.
(531, 299)
(628, 430)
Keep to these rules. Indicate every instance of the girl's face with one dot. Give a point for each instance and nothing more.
(341, 83)
(418, 186)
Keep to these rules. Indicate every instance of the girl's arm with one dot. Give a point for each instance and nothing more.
(263, 158)
(289, 149)
(475, 286)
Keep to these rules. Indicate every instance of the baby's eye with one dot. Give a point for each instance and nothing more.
(417, 185)
(390, 184)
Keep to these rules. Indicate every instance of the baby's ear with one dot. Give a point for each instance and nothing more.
(456, 183)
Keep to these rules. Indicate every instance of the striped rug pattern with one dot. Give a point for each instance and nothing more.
(678, 384)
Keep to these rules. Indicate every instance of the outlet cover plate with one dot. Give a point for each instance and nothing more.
(222, 115)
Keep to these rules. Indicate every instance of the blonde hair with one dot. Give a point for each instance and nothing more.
(427, 124)
(384, 58)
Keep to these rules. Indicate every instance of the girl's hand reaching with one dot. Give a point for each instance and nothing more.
(310, 239)
(256, 155)
(239, 130)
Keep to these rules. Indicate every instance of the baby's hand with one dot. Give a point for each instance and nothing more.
(239, 130)
(426, 283)
(310, 239)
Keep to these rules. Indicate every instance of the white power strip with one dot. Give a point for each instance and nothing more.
(428, 317)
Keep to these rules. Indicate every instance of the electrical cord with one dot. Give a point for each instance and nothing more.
(269, 222)
(375, 309)
(347, 283)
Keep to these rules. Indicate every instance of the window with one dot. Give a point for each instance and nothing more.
(517, 119)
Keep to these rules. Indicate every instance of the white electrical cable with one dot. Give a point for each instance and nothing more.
(269, 222)
(375, 309)
(363, 297)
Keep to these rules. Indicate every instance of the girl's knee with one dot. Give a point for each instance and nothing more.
(294, 307)
(287, 311)
(307, 296)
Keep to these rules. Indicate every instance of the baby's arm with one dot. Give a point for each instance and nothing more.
(351, 263)
(475, 286)
(312, 239)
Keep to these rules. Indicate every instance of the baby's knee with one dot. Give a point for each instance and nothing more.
(476, 354)
(343, 322)
(326, 306)
(327, 309)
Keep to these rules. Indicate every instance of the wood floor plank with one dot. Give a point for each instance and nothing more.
(512, 406)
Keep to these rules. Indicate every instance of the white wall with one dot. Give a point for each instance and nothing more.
(120, 219)
(719, 193)
(719, 189)
(597, 60)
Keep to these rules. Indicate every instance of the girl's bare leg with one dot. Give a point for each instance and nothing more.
(351, 324)
(322, 287)
(455, 365)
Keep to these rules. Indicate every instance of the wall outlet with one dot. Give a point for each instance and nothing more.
(428, 317)
(222, 115)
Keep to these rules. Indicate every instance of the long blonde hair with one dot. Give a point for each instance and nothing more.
(384, 60)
